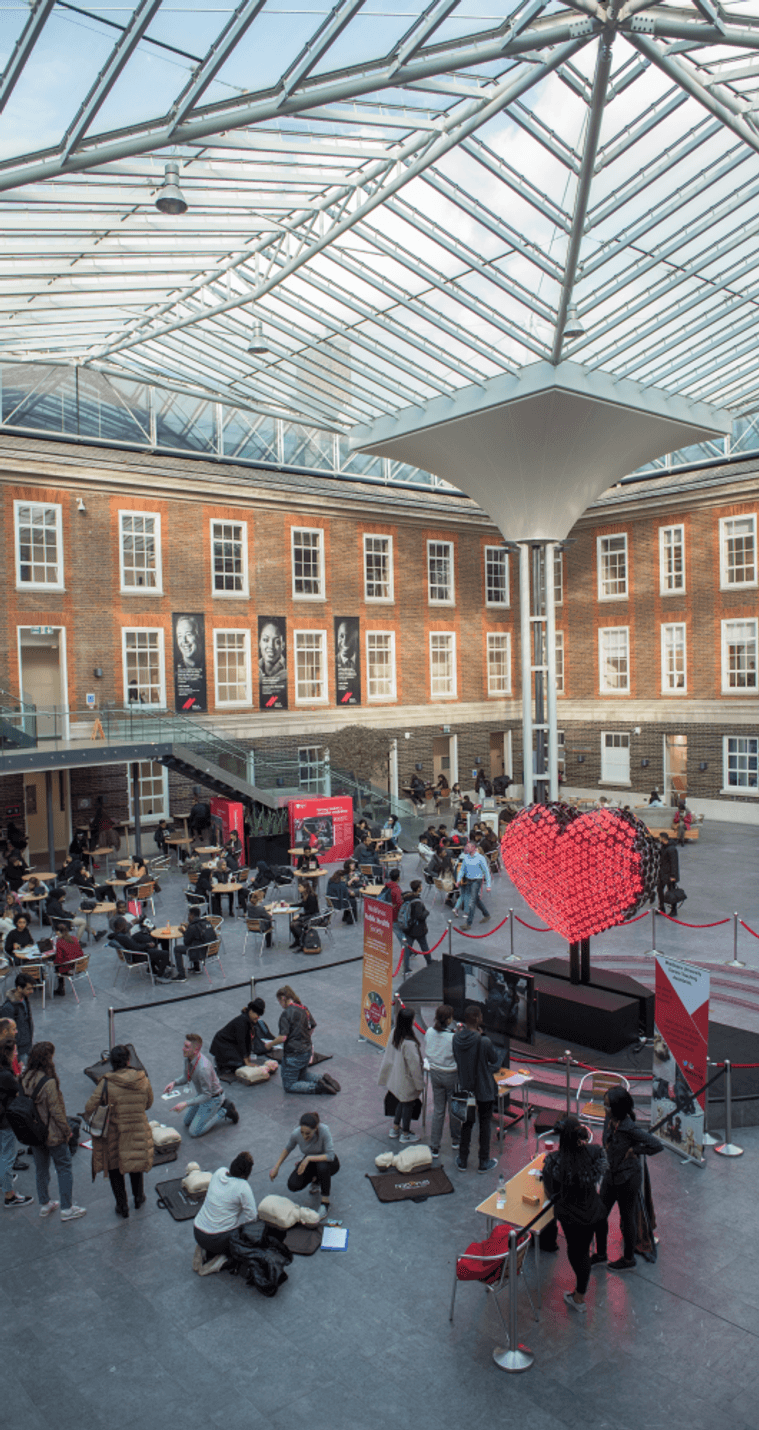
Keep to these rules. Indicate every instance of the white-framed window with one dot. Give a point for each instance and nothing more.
(614, 659)
(739, 640)
(231, 654)
(740, 758)
(440, 573)
(671, 559)
(310, 768)
(39, 545)
(737, 552)
(311, 667)
(612, 567)
(559, 662)
(144, 667)
(140, 552)
(673, 658)
(499, 663)
(308, 563)
(229, 558)
(378, 568)
(153, 791)
(442, 664)
(380, 665)
(496, 576)
(558, 578)
(615, 757)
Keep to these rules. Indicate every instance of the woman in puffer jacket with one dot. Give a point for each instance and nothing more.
(128, 1143)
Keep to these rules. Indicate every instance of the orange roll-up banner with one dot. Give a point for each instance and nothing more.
(377, 980)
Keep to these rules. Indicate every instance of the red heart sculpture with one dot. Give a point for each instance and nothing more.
(581, 873)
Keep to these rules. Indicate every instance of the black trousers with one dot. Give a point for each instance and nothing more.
(322, 1172)
(626, 1196)
(118, 1185)
(485, 1119)
(578, 1239)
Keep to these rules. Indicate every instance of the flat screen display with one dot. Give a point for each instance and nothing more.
(506, 997)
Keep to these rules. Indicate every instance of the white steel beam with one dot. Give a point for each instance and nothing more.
(119, 57)
(23, 49)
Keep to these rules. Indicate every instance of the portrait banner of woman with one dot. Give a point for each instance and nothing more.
(272, 662)
(189, 662)
(347, 663)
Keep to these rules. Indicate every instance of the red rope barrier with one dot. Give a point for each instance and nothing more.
(748, 930)
(489, 933)
(646, 914)
(418, 950)
(534, 927)
(684, 925)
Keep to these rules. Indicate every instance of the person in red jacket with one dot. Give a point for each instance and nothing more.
(395, 896)
(67, 950)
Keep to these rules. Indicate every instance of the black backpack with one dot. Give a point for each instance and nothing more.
(24, 1119)
(311, 942)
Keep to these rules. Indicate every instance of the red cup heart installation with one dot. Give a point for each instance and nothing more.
(581, 873)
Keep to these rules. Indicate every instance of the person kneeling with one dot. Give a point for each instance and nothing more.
(318, 1163)
(209, 1106)
(228, 1203)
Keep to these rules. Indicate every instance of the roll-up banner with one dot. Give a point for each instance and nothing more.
(377, 973)
(189, 662)
(272, 662)
(347, 662)
(681, 1043)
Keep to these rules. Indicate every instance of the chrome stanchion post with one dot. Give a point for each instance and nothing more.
(111, 1027)
(728, 1147)
(653, 950)
(450, 936)
(708, 1140)
(252, 987)
(735, 962)
(515, 1357)
(568, 1059)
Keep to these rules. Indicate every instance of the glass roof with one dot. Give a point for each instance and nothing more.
(410, 200)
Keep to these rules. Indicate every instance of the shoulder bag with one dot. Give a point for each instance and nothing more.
(97, 1123)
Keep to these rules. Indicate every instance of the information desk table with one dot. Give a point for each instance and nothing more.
(518, 1212)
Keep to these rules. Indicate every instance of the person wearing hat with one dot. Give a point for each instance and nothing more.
(624, 1144)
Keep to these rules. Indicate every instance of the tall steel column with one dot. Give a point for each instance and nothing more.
(540, 746)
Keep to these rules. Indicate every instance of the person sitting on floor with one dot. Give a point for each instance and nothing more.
(236, 1044)
(228, 1203)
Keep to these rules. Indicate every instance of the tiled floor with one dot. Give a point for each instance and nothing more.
(104, 1323)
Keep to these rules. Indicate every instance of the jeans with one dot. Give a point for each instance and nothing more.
(626, 1196)
(402, 1117)
(578, 1239)
(7, 1158)
(200, 1119)
(322, 1172)
(61, 1159)
(118, 1185)
(297, 1076)
(442, 1084)
(473, 901)
(485, 1118)
(408, 950)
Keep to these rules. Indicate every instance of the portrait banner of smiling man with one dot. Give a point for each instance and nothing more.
(347, 666)
(189, 662)
(272, 662)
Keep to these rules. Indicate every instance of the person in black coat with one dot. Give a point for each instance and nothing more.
(669, 869)
(196, 933)
(15, 871)
(239, 1041)
(308, 905)
(20, 936)
(624, 1143)
(571, 1177)
(416, 927)
(90, 889)
(341, 897)
(476, 1062)
(137, 946)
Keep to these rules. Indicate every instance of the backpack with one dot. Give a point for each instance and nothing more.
(24, 1119)
(311, 942)
(405, 915)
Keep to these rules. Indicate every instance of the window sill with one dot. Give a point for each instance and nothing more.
(298, 596)
(382, 699)
(605, 599)
(748, 693)
(380, 600)
(741, 793)
(140, 591)
(623, 693)
(615, 784)
(35, 586)
(309, 703)
(230, 595)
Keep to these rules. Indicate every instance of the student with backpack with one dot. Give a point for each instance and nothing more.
(412, 922)
(9, 1087)
(47, 1131)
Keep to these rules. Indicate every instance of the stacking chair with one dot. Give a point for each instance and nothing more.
(139, 967)
(38, 972)
(144, 893)
(77, 970)
(256, 927)
(322, 921)
(475, 1268)
(599, 1084)
(217, 922)
(211, 952)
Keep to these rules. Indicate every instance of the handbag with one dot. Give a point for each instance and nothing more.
(463, 1105)
(96, 1125)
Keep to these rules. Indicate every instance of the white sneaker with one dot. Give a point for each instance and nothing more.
(394, 1131)
(409, 1137)
(48, 1208)
(73, 1212)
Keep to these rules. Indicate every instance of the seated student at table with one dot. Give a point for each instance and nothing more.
(308, 860)
(221, 875)
(57, 913)
(308, 908)
(11, 907)
(227, 1204)
(67, 949)
(19, 937)
(197, 933)
(69, 869)
(360, 831)
(241, 1039)
(90, 890)
(121, 912)
(366, 857)
(391, 832)
(418, 789)
(33, 885)
(137, 946)
(256, 910)
(352, 875)
(15, 871)
(341, 898)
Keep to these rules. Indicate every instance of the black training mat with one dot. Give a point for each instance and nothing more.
(394, 1186)
(173, 1198)
(99, 1069)
(303, 1240)
(162, 1155)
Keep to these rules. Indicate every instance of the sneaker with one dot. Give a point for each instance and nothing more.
(198, 1259)
(178, 978)
(323, 1211)
(100, 934)
(231, 1112)
(575, 1305)
(394, 1131)
(161, 978)
(72, 1213)
(195, 969)
(409, 1137)
(622, 1264)
(48, 1208)
(455, 1146)
(461, 1165)
(488, 1166)
(19, 1166)
(17, 1200)
(598, 1258)
(435, 1151)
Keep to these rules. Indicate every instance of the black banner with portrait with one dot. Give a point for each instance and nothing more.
(347, 663)
(190, 695)
(272, 662)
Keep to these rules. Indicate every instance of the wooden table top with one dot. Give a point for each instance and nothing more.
(168, 931)
(208, 848)
(311, 873)
(228, 888)
(179, 839)
(518, 1212)
(104, 908)
(32, 898)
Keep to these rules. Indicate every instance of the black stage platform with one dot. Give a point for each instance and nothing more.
(617, 983)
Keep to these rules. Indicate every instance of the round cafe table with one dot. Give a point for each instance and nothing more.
(33, 955)
(105, 908)
(279, 911)
(33, 899)
(169, 933)
(208, 848)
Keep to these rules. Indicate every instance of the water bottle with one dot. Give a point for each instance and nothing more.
(500, 1196)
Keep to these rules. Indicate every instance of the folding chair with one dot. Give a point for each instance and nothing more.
(600, 1082)
(77, 970)
(464, 1271)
